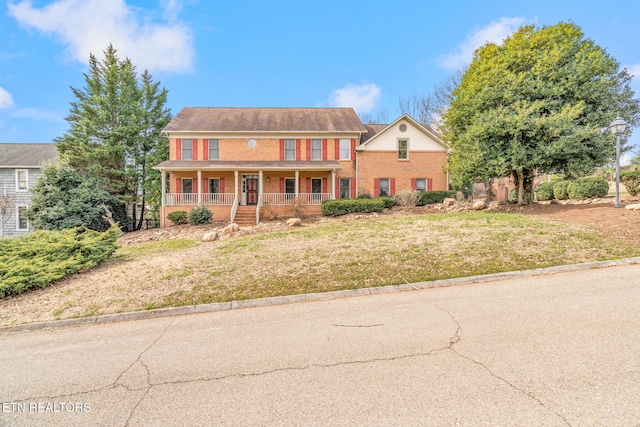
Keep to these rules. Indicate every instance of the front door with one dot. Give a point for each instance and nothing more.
(252, 191)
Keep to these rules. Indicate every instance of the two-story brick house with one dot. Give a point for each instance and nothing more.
(241, 162)
(20, 169)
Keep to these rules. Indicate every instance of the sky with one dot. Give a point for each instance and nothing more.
(331, 53)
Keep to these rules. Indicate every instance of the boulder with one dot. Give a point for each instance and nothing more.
(633, 207)
(231, 228)
(294, 222)
(449, 201)
(479, 205)
(210, 236)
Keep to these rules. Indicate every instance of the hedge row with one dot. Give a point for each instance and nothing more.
(431, 197)
(346, 206)
(196, 216)
(582, 188)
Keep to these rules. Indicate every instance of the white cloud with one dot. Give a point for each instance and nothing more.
(88, 26)
(6, 100)
(37, 114)
(362, 98)
(634, 70)
(495, 32)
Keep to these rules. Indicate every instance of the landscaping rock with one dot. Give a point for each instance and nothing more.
(479, 205)
(210, 236)
(294, 222)
(231, 228)
(449, 201)
(633, 207)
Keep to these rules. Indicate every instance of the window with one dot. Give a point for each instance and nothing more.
(421, 184)
(403, 149)
(214, 149)
(187, 185)
(384, 187)
(22, 179)
(345, 149)
(187, 149)
(21, 221)
(214, 185)
(345, 188)
(290, 185)
(316, 185)
(289, 149)
(316, 149)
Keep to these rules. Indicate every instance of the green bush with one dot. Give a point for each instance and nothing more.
(544, 191)
(631, 181)
(387, 201)
(345, 206)
(561, 190)
(363, 196)
(178, 217)
(592, 186)
(431, 197)
(199, 216)
(38, 259)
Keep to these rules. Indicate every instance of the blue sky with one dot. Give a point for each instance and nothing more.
(361, 54)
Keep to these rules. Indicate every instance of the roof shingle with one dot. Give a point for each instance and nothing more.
(26, 155)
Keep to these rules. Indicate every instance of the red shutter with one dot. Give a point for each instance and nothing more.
(308, 185)
(195, 149)
(429, 184)
(353, 188)
(376, 187)
(413, 183)
(178, 149)
(337, 148)
(324, 150)
(353, 149)
(298, 149)
(308, 149)
(281, 185)
(205, 149)
(337, 188)
(222, 185)
(392, 191)
(324, 185)
(178, 186)
(282, 149)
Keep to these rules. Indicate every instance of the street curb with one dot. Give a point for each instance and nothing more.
(324, 296)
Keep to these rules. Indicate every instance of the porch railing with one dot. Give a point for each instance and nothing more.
(282, 199)
(234, 209)
(260, 197)
(191, 199)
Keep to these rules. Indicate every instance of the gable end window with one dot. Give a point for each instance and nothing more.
(22, 179)
(214, 149)
(403, 149)
(187, 149)
(289, 149)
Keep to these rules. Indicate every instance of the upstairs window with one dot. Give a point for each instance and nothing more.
(316, 149)
(403, 149)
(214, 149)
(345, 149)
(187, 149)
(22, 179)
(289, 149)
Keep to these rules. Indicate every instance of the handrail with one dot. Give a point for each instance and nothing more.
(234, 209)
(258, 206)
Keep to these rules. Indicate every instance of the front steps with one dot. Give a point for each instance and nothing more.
(245, 216)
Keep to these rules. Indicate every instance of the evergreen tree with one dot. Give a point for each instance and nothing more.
(115, 130)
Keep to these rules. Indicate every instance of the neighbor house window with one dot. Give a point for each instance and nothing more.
(316, 149)
(345, 149)
(345, 188)
(384, 187)
(289, 149)
(421, 184)
(187, 149)
(214, 149)
(214, 185)
(403, 149)
(187, 185)
(21, 221)
(22, 179)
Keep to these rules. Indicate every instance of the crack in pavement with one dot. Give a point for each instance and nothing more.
(456, 338)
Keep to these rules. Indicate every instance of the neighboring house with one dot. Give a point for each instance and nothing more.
(20, 168)
(244, 162)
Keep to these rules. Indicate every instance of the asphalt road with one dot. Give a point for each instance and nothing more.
(547, 351)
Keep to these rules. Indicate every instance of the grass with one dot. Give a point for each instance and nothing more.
(384, 252)
(154, 248)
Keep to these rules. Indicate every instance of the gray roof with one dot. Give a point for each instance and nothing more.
(203, 119)
(26, 155)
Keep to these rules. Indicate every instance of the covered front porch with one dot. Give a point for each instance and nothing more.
(242, 191)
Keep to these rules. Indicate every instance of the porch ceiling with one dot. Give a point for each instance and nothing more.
(207, 165)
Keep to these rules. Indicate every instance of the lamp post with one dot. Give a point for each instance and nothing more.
(617, 127)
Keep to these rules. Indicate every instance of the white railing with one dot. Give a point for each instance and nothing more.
(258, 208)
(234, 209)
(282, 199)
(191, 199)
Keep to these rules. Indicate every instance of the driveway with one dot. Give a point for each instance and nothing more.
(548, 350)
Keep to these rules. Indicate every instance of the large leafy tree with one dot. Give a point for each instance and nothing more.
(115, 130)
(536, 104)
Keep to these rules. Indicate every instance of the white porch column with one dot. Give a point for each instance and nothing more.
(333, 184)
(260, 183)
(163, 196)
(199, 187)
(236, 186)
(297, 190)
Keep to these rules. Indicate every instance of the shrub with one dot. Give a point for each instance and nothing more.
(544, 191)
(178, 217)
(387, 201)
(407, 198)
(199, 215)
(591, 186)
(561, 190)
(345, 206)
(631, 181)
(38, 259)
(364, 195)
(430, 197)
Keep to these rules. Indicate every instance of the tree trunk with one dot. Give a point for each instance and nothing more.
(520, 188)
(134, 216)
(141, 213)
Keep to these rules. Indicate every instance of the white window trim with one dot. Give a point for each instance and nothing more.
(426, 183)
(209, 183)
(18, 189)
(380, 186)
(182, 185)
(311, 153)
(182, 148)
(295, 154)
(318, 178)
(292, 178)
(348, 149)
(398, 149)
(18, 218)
